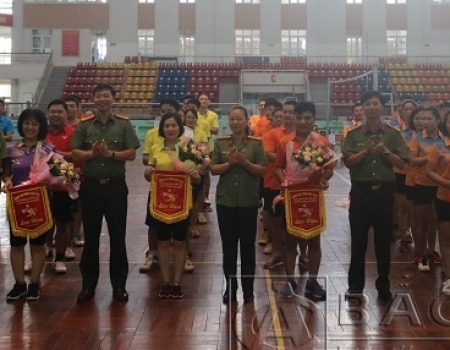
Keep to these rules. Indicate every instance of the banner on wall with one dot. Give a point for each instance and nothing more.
(6, 20)
(70, 43)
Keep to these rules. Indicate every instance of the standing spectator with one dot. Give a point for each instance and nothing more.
(104, 142)
(240, 162)
(73, 105)
(32, 126)
(356, 119)
(371, 151)
(59, 134)
(6, 125)
(253, 121)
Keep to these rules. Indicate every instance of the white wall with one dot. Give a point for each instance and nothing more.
(167, 32)
(374, 28)
(270, 28)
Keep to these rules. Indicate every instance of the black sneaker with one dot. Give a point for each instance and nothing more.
(33, 292)
(19, 290)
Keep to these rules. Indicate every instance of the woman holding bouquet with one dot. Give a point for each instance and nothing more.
(240, 161)
(32, 126)
(163, 156)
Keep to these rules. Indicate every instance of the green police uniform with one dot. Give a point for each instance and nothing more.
(371, 204)
(237, 187)
(104, 194)
(374, 168)
(118, 134)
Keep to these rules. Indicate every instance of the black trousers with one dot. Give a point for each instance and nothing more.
(238, 226)
(370, 205)
(110, 201)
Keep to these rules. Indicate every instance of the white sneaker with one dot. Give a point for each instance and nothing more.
(188, 266)
(268, 248)
(201, 219)
(446, 287)
(69, 254)
(60, 267)
(28, 266)
(78, 240)
(423, 265)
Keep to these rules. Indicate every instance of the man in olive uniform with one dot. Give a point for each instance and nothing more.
(371, 151)
(104, 141)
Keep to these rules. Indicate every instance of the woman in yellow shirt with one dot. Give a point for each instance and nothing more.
(170, 129)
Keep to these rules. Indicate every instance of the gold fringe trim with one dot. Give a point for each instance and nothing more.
(305, 234)
(27, 233)
(171, 219)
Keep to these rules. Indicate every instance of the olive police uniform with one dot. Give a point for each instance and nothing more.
(237, 199)
(104, 193)
(371, 202)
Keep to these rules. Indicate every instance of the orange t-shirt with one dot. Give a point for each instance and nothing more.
(253, 121)
(262, 127)
(441, 157)
(270, 143)
(421, 146)
(280, 160)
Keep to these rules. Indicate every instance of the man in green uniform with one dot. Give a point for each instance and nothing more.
(371, 151)
(104, 141)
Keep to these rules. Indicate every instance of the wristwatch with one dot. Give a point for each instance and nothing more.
(113, 155)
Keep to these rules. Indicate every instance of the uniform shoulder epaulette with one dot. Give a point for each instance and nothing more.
(254, 138)
(224, 137)
(356, 128)
(396, 128)
(121, 117)
(84, 119)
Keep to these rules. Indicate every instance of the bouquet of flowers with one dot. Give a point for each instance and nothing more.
(192, 155)
(60, 167)
(304, 162)
(52, 169)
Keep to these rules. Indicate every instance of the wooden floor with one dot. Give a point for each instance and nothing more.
(419, 317)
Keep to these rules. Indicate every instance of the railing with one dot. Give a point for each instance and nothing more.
(13, 58)
(44, 80)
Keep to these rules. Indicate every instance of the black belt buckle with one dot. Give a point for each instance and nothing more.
(104, 181)
(375, 187)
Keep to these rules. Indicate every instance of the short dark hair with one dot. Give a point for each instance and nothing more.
(370, 94)
(434, 111)
(290, 102)
(187, 97)
(416, 111)
(414, 103)
(2, 102)
(356, 105)
(277, 110)
(72, 98)
(442, 126)
(273, 102)
(444, 104)
(37, 114)
(57, 101)
(194, 101)
(104, 86)
(170, 102)
(305, 107)
(166, 116)
(192, 110)
(240, 108)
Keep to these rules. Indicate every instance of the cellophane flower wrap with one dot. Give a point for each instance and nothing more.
(52, 169)
(312, 157)
(191, 156)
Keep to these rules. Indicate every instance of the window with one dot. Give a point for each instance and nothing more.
(187, 1)
(6, 7)
(293, 42)
(396, 42)
(396, 1)
(147, 1)
(42, 40)
(5, 91)
(247, 42)
(442, 1)
(5, 50)
(354, 1)
(354, 45)
(293, 1)
(187, 44)
(247, 1)
(70, 1)
(146, 42)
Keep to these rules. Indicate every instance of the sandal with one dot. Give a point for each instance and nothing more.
(194, 232)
